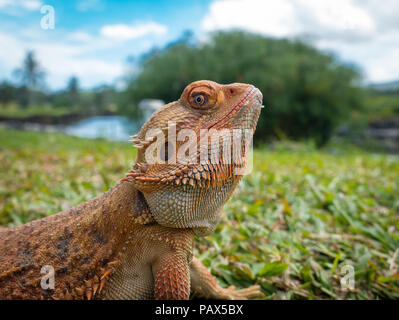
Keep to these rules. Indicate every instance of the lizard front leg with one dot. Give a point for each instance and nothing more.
(204, 284)
(172, 277)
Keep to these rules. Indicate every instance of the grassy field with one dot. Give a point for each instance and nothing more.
(298, 223)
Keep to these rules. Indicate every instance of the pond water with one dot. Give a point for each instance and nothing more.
(110, 127)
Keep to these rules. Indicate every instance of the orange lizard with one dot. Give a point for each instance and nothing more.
(135, 241)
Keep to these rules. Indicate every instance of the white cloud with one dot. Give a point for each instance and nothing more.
(331, 17)
(93, 58)
(126, 32)
(60, 59)
(30, 5)
(9, 61)
(288, 18)
(90, 71)
(379, 57)
(4, 3)
(363, 31)
(267, 17)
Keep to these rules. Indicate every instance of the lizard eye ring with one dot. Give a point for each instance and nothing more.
(199, 99)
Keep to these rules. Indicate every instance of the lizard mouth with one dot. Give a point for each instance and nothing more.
(253, 93)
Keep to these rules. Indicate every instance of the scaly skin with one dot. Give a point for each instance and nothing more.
(136, 240)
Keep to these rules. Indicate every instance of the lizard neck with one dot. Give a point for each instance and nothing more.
(113, 214)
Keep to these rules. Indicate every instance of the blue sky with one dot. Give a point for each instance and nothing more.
(93, 38)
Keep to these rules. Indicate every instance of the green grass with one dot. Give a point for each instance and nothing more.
(42, 174)
(291, 226)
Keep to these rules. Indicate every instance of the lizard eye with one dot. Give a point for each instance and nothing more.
(200, 99)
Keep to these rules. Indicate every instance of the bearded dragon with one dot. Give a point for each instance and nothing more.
(136, 240)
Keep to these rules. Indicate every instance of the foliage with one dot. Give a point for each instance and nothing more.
(62, 171)
(291, 225)
(306, 91)
(381, 106)
(73, 90)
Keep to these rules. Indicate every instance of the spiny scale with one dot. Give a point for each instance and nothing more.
(203, 175)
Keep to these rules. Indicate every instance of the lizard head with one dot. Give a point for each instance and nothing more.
(192, 153)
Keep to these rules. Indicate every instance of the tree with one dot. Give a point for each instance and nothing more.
(104, 98)
(73, 85)
(7, 93)
(73, 90)
(30, 74)
(31, 77)
(307, 93)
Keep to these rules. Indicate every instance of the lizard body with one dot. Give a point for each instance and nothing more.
(136, 240)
